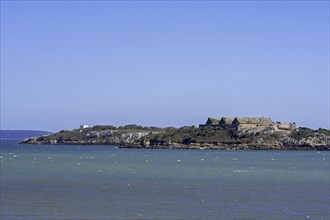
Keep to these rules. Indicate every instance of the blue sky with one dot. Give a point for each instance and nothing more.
(162, 63)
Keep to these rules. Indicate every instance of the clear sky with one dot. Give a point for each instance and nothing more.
(162, 63)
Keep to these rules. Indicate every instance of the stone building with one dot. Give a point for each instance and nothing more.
(252, 121)
(212, 121)
(245, 123)
(226, 121)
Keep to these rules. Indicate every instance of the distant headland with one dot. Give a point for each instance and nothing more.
(20, 134)
(226, 133)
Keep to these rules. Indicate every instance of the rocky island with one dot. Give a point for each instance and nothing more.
(222, 134)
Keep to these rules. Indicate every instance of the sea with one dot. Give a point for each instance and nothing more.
(106, 182)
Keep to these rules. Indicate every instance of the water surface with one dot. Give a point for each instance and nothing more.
(98, 182)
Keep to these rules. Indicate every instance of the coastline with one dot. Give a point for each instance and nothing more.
(176, 146)
(190, 137)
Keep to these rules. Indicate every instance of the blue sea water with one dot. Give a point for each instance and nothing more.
(99, 182)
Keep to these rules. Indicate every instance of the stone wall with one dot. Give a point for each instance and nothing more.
(286, 126)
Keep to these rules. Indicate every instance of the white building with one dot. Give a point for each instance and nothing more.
(83, 126)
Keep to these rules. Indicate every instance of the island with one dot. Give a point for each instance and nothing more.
(247, 133)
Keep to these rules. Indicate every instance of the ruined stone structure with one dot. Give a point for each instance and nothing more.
(212, 121)
(226, 121)
(246, 123)
(286, 126)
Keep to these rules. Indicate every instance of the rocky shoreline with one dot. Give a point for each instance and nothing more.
(189, 137)
(206, 146)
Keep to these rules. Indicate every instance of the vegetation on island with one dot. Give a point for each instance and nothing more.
(189, 137)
